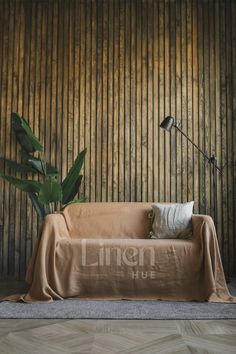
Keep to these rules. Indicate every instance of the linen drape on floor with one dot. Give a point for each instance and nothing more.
(101, 251)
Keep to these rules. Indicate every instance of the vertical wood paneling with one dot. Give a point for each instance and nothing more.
(139, 103)
(1, 137)
(233, 170)
(82, 79)
(150, 119)
(115, 124)
(206, 120)
(133, 122)
(9, 213)
(12, 94)
(166, 82)
(103, 74)
(93, 96)
(99, 103)
(161, 101)
(155, 133)
(127, 101)
(218, 145)
(104, 102)
(29, 88)
(223, 115)
(178, 102)
(201, 112)
(195, 108)
(184, 145)
(229, 131)
(110, 101)
(76, 70)
(173, 160)
(71, 80)
(189, 103)
(4, 220)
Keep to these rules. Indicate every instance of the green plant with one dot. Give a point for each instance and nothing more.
(46, 193)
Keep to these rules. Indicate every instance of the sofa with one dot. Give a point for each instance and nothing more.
(103, 251)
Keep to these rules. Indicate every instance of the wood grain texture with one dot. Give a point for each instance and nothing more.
(117, 336)
(103, 74)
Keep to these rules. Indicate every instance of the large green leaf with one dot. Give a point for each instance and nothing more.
(24, 134)
(68, 185)
(23, 184)
(50, 192)
(40, 166)
(18, 167)
(82, 199)
(38, 206)
(73, 191)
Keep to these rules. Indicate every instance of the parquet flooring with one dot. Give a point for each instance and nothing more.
(117, 336)
(123, 337)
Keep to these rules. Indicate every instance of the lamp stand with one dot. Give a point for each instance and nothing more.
(214, 169)
(167, 124)
(214, 180)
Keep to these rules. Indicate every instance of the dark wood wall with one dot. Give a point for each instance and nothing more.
(104, 74)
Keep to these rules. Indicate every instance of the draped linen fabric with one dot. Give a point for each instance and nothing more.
(102, 251)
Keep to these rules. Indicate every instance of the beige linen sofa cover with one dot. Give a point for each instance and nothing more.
(102, 251)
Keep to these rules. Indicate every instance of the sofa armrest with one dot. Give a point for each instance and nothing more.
(53, 229)
(56, 223)
(200, 222)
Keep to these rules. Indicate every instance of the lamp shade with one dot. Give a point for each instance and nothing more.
(167, 123)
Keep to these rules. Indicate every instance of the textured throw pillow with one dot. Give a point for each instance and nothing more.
(172, 220)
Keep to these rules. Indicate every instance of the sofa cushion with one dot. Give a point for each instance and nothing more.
(172, 220)
(108, 220)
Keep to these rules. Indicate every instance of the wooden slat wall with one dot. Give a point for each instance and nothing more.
(103, 74)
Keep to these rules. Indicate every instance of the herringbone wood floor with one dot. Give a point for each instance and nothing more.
(126, 337)
(110, 336)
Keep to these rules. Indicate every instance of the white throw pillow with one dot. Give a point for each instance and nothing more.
(172, 220)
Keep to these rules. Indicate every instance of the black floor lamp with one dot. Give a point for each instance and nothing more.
(167, 124)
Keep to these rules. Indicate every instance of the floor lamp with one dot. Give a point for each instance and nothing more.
(167, 124)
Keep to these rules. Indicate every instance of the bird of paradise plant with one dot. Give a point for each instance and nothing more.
(47, 192)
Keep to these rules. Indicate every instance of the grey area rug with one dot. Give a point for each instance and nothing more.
(122, 310)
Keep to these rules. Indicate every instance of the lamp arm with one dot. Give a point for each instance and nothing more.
(211, 159)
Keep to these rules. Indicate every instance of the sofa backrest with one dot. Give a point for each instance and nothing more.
(108, 220)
